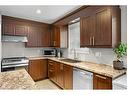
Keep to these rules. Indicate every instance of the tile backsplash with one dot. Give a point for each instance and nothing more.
(97, 55)
(10, 49)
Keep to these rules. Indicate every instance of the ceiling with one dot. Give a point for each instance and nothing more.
(49, 13)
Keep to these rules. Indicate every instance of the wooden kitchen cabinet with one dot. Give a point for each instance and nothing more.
(68, 77)
(52, 69)
(103, 34)
(10, 26)
(38, 36)
(101, 82)
(7, 29)
(55, 72)
(87, 26)
(60, 74)
(38, 69)
(21, 30)
(55, 36)
(59, 36)
(100, 27)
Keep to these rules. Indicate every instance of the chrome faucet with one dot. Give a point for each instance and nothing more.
(75, 54)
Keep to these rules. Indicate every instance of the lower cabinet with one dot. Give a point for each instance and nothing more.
(60, 74)
(38, 69)
(101, 82)
(68, 77)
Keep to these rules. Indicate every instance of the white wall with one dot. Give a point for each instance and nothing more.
(124, 23)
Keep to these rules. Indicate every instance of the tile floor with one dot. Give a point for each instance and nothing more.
(46, 85)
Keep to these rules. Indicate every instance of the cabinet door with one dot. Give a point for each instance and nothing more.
(20, 30)
(45, 37)
(34, 37)
(101, 82)
(7, 28)
(38, 37)
(60, 74)
(103, 36)
(38, 69)
(87, 30)
(68, 77)
(52, 70)
(56, 36)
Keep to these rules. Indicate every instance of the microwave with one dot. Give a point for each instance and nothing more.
(49, 52)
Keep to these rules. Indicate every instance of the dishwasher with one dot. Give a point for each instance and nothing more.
(82, 80)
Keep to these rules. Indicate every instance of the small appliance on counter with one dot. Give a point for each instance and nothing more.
(49, 52)
(59, 53)
(13, 63)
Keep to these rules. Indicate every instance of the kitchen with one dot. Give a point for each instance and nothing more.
(81, 56)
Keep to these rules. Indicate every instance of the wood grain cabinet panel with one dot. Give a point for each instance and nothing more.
(38, 34)
(38, 69)
(60, 74)
(11, 26)
(68, 77)
(21, 30)
(103, 34)
(101, 82)
(38, 37)
(87, 30)
(7, 29)
(52, 69)
(59, 36)
(100, 28)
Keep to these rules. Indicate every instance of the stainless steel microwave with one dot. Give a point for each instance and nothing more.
(49, 52)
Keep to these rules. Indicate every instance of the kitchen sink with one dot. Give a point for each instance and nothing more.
(70, 60)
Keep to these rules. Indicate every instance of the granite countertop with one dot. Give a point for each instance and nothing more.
(18, 79)
(101, 69)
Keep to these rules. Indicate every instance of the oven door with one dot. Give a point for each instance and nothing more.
(14, 67)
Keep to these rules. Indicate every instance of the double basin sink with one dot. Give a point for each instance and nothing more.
(70, 60)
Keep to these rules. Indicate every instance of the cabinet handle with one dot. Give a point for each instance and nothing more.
(50, 70)
(100, 77)
(93, 41)
(61, 66)
(51, 64)
(90, 40)
(54, 43)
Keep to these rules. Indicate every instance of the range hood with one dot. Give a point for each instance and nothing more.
(14, 38)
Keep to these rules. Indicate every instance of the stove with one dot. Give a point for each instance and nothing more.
(14, 62)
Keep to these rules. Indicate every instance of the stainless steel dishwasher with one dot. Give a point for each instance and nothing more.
(82, 80)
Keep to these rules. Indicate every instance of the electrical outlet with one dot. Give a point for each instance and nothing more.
(98, 54)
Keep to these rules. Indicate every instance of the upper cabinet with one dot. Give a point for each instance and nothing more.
(87, 30)
(38, 36)
(59, 36)
(12, 27)
(100, 28)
